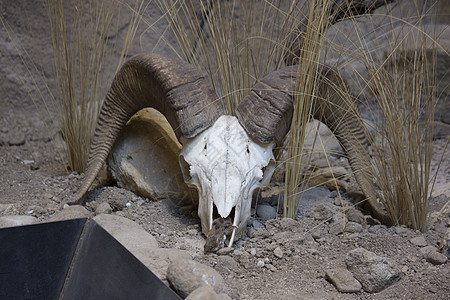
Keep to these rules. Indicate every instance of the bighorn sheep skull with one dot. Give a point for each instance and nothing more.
(226, 158)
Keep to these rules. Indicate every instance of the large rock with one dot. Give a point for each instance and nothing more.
(129, 233)
(144, 159)
(71, 212)
(19, 220)
(375, 273)
(185, 276)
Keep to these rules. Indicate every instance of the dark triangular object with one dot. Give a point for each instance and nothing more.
(73, 259)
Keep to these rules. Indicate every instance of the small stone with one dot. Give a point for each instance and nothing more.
(253, 251)
(404, 269)
(186, 275)
(343, 280)
(355, 215)
(19, 220)
(435, 258)
(419, 241)
(266, 212)
(278, 252)
(28, 162)
(225, 251)
(271, 267)
(103, 208)
(260, 264)
(375, 273)
(400, 229)
(353, 227)
(322, 212)
(427, 249)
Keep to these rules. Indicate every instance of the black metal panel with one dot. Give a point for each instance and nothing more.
(73, 259)
(104, 269)
(34, 259)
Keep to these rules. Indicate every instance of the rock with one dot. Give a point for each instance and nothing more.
(322, 212)
(260, 264)
(266, 212)
(401, 229)
(330, 142)
(278, 252)
(419, 241)
(129, 233)
(185, 276)
(18, 220)
(427, 249)
(71, 212)
(343, 280)
(338, 224)
(159, 259)
(203, 292)
(225, 251)
(148, 135)
(16, 138)
(355, 215)
(353, 227)
(103, 208)
(207, 293)
(375, 273)
(435, 258)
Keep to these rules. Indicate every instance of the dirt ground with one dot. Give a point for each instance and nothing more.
(33, 180)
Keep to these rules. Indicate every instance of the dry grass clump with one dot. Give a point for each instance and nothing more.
(404, 86)
(234, 42)
(307, 92)
(406, 94)
(81, 43)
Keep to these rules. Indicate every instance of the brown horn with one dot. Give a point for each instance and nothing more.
(266, 115)
(171, 86)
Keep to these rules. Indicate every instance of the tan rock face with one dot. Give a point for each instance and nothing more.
(144, 159)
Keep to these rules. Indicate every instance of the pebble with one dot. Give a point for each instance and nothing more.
(427, 249)
(375, 273)
(343, 280)
(103, 208)
(435, 258)
(266, 212)
(17, 220)
(225, 251)
(419, 241)
(253, 251)
(322, 212)
(186, 275)
(400, 229)
(260, 264)
(353, 227)
(278, 252)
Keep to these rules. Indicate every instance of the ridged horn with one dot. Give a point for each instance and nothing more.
(266, 115)
(171, 86)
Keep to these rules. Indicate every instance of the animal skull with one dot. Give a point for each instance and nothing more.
(226, 166)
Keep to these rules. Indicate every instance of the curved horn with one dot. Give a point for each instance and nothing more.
(272, 99)
(169, 85)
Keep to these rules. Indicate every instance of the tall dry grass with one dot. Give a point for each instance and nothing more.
(234, 42)
(404, 88)
(306, 93)
(80, 34)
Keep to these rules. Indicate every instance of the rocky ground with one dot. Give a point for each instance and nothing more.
(330, 251)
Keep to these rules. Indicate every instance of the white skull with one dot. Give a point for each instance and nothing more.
(226, 166)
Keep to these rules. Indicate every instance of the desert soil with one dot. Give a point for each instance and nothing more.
(34, 181)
